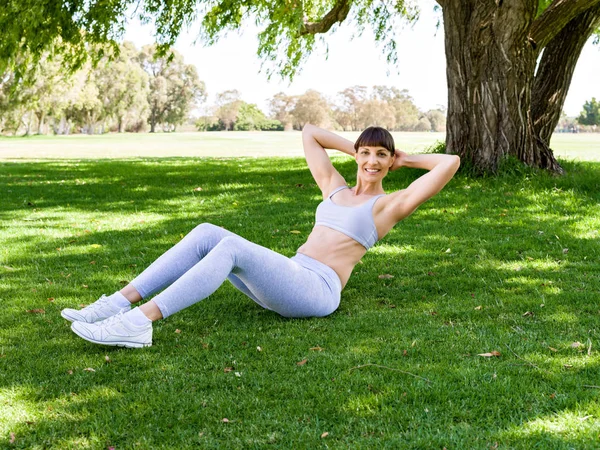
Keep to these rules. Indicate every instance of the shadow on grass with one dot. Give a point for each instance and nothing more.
(482, 267)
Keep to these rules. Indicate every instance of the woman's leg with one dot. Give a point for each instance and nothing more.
(161, 273)
(273, 280)
(176, 261)
(290, 287)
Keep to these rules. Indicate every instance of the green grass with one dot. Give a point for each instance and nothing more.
(508, 264)
(232, 144)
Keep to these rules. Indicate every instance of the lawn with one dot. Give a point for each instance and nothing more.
(508, 265)
(232, 144)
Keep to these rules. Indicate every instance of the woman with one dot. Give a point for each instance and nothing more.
(348, 222)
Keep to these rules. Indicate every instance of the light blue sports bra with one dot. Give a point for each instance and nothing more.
(355, 222)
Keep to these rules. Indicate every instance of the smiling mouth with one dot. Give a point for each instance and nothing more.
(372, 170)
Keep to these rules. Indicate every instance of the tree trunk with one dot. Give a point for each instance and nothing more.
(153, 121)
(490, 72)
(555, 72)
(121, 124)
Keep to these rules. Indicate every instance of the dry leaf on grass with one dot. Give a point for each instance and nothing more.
(478, 308)
(490, 354)
(225, 420)
(228, 369)
(385, 276)
(316, 349)
(576, 344)
(12, 438)
(36, 311)
(295, 232)
(301, 363)
(88, 369)
(324, 435)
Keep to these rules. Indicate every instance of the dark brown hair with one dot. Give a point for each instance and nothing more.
(376, 137)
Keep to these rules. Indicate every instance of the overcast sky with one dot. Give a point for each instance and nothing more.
(232, 64)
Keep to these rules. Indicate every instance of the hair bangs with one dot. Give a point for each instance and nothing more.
(376, 137)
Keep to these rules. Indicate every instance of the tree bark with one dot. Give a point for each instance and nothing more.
(490, 66)
(555, 72)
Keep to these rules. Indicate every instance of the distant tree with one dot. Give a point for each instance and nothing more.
(311, 107)
(591, 113)
(437, 118)
(350, 114)
(249, 118)
(123, 87)
(406, 113)
(376, 112)
(85, 107)
(228, 105)
(423, 125)
(174, 87)
(281, 107)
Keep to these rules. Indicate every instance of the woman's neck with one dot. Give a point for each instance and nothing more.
(365, 188)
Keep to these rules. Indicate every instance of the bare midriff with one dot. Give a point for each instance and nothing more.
(333, 249)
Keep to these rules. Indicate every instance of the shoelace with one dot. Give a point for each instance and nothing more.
(102, 301)
(110, 320)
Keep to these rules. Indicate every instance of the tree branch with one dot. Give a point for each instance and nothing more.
(555, 18)
(337, 14)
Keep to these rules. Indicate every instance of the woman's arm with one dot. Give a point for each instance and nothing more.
(315, 140)
(441, 170)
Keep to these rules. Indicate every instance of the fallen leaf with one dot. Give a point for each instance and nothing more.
(10, 269)
(107, 359)
(565, 251)
(85, 286)
(88, 369)
(225, 420)
(92, 262)
(448, 251)
(228, 369)
(259, 348)
(405, 353)
(295, 232)
(576, 344)
(478, 308)
(528, 314)
(301, 363)
(385, 276)
(552, 396)
(316, 349)
(568, 366)
(553, 349)
(324, 435)
(12, 438)
(490, 354)
(433, 313)
(70, 372)
(51, 299)
(198, 189)
(36, 311)
(238, 374)
(177, 331)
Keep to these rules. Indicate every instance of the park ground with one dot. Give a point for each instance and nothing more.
(475, 324)
(583, 146)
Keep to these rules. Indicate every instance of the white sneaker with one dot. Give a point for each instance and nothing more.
(115, 330)
(99, 310)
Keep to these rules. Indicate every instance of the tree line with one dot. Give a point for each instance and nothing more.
(352, 109)
(127, 90)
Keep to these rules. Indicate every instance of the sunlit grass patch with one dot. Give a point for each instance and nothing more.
(507, 265)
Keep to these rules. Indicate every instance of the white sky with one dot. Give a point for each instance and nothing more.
(232, 64)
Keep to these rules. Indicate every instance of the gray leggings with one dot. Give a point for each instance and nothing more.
(195, 268)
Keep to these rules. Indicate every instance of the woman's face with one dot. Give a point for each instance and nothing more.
(373, 163)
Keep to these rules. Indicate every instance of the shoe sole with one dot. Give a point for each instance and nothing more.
(112, 344)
